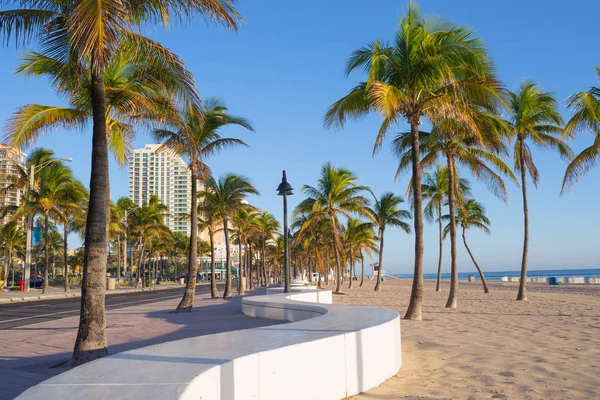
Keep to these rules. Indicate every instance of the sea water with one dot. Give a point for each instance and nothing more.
(497, 275)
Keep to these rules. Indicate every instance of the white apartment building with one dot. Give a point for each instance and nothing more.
(155, 169)
(10, 159)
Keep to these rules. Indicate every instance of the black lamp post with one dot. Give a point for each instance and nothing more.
(285, 189)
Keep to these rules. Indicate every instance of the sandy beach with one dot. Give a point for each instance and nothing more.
(492, 346)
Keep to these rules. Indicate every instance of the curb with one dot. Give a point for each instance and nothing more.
(70, 295)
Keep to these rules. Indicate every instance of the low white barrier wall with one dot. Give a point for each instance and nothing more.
(330, 352)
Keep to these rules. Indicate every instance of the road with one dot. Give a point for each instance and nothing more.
(13, 315)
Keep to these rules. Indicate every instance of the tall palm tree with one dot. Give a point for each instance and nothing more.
(585, 107)
(209, 219)
(435, 188)
(92, 38)
(12, 239)
(125, 207)
(244, 221)
(268, 228)
(386, 212)
(198, 137)
(429, 69)
(534, 118)
(472, 215)
(477, 149)
(73, 220)
(357, 236)
(146, 221)
(59, 192)
(228, 194)
(336, 194)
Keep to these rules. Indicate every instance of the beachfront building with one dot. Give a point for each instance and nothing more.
(10, 160)
(155, 169)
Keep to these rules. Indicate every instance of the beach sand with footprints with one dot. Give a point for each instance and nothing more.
(492, 346)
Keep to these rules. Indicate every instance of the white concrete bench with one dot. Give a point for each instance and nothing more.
(330, 352)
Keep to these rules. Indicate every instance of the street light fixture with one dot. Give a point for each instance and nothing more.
(32, 170)
(285, 189)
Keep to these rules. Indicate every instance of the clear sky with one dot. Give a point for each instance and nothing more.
(286, 66)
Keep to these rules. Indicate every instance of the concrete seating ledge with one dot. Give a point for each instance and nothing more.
(326, 352)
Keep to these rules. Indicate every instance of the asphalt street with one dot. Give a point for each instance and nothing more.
(13, 315)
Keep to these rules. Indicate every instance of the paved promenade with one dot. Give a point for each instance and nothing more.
(32, 353)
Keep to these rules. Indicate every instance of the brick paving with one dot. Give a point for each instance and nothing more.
(32, 353)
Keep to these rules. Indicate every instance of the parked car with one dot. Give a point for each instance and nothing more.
(36, 281)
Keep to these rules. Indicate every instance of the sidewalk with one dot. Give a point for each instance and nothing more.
(33, 353)
(59, 293)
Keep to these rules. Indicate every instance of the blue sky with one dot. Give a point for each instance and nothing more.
(286, 66)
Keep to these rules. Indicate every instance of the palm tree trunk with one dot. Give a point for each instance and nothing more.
(125, 248)
(187, 302)
(378, 284)
(155, 279)
(46, 260)
(438, 284)
(338, 268)
(362, 269)
(522, 295)
(250, 272)
(264, 261)
(240, 270)
(485, 287)
(415, 306)
(66, 258)
(350, 265)
(8, 265)
(91, 336)
(213, 283)
(227, 292)
(140, 270)
(453, 296)
(118, 259)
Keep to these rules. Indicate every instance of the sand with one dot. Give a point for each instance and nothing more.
(492, 346)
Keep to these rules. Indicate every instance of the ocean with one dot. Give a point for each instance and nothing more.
(497, 275)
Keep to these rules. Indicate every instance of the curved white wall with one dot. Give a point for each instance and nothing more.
(330, 352)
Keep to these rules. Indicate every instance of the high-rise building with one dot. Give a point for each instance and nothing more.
(10, 160)
(156, 169)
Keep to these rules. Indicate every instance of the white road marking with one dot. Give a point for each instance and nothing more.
(77, 309)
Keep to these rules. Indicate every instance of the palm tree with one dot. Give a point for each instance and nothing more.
(209, 219)
(357, 236)
(460, 144)
(73, 220)
(472, 215)
(386, 212)
(147, 221)
(12, 239)
(435, 188)
(92, 38)
(243, 220)
(125, 207)
(535, 119)
(268, 228)
(59, 192)
(198, 137)
(585, 107)
(228, 194)
(429, 69)
(336, 194)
